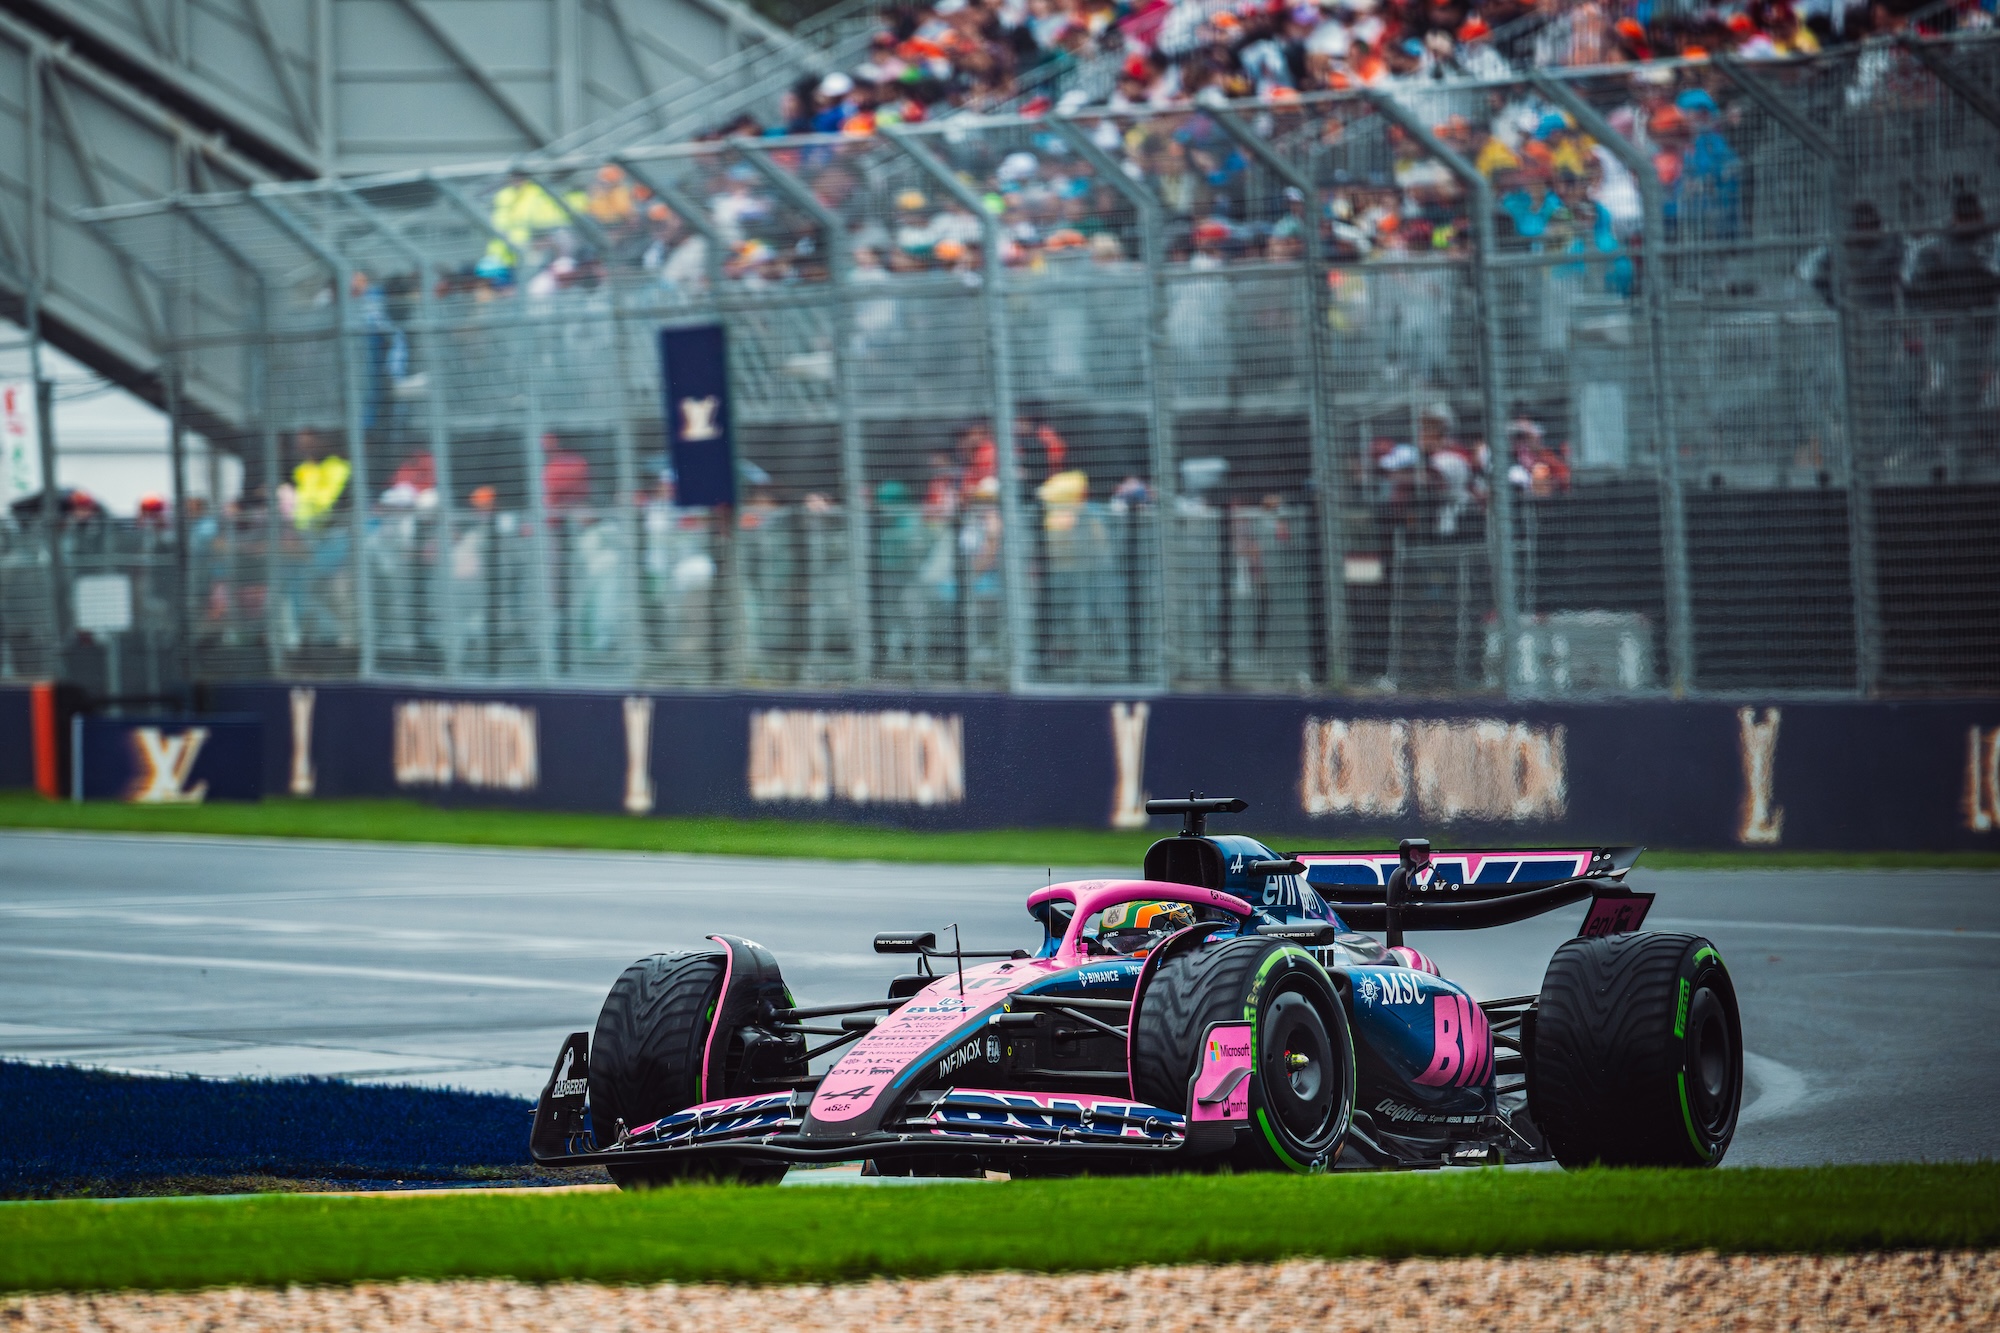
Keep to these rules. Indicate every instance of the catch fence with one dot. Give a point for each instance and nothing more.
(1625, 380)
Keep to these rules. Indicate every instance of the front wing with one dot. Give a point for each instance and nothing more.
(949, 1121)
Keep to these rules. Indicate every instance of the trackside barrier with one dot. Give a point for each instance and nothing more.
(1788, 774)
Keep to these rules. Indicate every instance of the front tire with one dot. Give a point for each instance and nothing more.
(1637, 1057)
(646, 1063)
(1302, 1081)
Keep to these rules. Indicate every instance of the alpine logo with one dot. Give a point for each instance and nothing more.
(564, 1085)
(959, 1059)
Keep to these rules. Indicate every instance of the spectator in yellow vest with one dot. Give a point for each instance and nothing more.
(318, 482)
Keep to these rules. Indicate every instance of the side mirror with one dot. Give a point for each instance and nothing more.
(1276, 868)
(1302, 932)
(905, 941)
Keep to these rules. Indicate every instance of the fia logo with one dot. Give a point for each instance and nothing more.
(698, 418)
(163, 764)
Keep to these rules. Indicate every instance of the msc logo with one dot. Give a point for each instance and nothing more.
(698, 418)
(162, 765)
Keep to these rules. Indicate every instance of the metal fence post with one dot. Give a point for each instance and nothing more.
(1500, 520)
(443, 589)
(1673, 509)
(1326, 472)
(1013, 562)
(1153, 355)
(357, 446)
(260, 394)
(853, 461)
(37, 245)
(542, 637)
(1862, 572)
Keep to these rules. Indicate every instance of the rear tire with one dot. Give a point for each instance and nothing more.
(1638, 1053)
(1302, 1086)
(645, 1063)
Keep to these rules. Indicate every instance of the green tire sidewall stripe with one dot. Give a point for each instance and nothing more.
(1687, 1118)
(1289, 952)
(1680, 1031)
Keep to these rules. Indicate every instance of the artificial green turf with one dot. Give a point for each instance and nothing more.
(734, 1234)
(409, 821)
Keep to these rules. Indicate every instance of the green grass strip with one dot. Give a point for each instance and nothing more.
(409, 821)
(828, 1234)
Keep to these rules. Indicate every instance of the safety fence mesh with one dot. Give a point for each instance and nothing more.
(1675, 377)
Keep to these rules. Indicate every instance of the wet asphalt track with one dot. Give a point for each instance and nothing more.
(1871, 999)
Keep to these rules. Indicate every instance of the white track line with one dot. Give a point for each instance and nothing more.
(310, 969)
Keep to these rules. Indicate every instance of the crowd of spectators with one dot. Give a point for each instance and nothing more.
(986, 54)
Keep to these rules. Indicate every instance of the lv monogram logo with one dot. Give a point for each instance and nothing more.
(164, 765)
(1763, 819)
(698, 418)
(1128, 749)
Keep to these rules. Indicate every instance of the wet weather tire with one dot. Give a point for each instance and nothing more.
(646, 1058)
(1302, 1088)
(1637, 1058)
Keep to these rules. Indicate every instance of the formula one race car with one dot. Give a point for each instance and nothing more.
(1221, 1012)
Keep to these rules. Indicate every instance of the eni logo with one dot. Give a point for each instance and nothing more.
(698, 418)
(162, 765)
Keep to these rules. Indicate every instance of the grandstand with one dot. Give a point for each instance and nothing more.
(1525, 367)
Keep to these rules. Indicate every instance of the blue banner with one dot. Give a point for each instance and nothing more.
(169, 760)
(694, 367)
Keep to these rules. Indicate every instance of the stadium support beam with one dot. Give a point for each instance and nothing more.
(1000, 352)
(1863, 582)
(1330, 499)
(481, 77)
(853, 462)
(1931, 56)
(1153, 360)
(1673, 504)
(350, 394)
(1500, 518)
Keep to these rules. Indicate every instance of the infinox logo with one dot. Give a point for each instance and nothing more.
(564, 1085)
(959, 1058)
(1461, 1044)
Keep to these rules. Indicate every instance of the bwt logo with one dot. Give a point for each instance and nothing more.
(162, 765)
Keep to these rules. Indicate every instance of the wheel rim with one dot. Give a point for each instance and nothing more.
(1711, 1061)
(1301, 1082)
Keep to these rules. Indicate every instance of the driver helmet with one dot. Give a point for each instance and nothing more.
(1134, 928)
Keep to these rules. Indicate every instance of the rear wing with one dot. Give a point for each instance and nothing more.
(1465, 890)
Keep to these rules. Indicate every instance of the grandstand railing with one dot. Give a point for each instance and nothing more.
(1594, 382)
